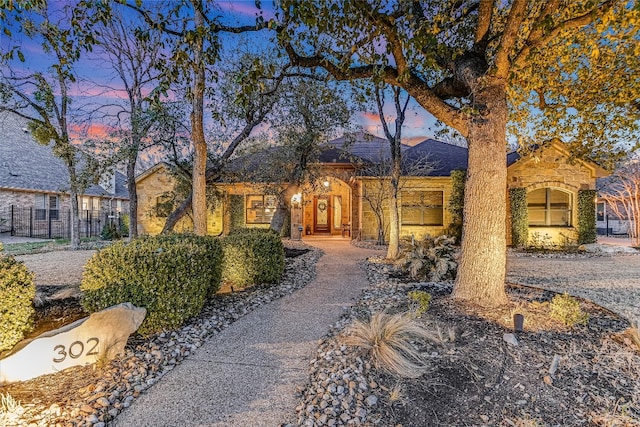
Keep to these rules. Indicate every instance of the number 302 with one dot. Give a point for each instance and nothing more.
(76, 349)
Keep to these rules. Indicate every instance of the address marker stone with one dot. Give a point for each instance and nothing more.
(102, 335)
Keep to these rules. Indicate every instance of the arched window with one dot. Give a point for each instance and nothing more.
(549, 207)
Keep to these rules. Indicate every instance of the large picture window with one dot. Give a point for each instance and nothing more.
(549, 207)
(260, 208)
(422, 208)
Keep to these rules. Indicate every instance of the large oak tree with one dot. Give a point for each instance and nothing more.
(460, 59)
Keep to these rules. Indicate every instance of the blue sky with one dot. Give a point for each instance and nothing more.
(418, 125)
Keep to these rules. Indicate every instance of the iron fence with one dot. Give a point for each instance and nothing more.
(54, 223)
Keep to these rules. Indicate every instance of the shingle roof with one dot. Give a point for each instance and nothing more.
(365, 146)
(27, 165)
(446, 157)
(443, 157)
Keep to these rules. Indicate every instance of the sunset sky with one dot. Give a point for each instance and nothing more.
(93, 75)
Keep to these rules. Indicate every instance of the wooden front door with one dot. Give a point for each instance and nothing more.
(321, 214)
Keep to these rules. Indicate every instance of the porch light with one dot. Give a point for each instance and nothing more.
(326, 184)
(296, 200)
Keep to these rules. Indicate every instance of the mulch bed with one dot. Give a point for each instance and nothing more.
(477, 378)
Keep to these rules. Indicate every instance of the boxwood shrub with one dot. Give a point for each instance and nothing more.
(17, 291)
(171, 276)
(252, 256)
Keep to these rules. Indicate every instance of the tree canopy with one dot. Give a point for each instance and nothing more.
(464, 62)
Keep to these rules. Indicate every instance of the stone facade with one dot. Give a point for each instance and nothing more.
(551, 167)
(423, 201)
(154, 188)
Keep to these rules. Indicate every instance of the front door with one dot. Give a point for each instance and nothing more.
(322, 214)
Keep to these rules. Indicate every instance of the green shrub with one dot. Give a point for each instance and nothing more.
(171, 276)
(566, 309)
(586, 217)
(252, 256)
(519, 217)
(236, 208)
(110, 231)
(420, 301)
(456, 204)
(429, 259)
(17, 291)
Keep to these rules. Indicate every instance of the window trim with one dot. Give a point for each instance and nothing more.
(422, 208)
(548, 209)
(263, 217)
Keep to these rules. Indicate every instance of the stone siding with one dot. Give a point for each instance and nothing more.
(154, 185)
(368, 225)
(551, 168)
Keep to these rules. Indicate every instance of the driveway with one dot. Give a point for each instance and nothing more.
(610, 281)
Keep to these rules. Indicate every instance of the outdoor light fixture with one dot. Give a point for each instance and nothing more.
(296, 200)
(518, 322)
(326, 183)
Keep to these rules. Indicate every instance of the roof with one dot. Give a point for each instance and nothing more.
(363, 146)
(29, 166)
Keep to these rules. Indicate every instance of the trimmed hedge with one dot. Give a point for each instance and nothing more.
(587, 232)
(252, 256)
(171, 276)
(17, 291)
(519, 217)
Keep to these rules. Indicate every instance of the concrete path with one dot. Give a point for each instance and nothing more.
(247, 374)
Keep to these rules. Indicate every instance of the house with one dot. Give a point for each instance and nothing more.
(339, 203)
(34, 183)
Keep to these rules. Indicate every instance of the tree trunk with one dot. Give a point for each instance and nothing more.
(282, 210)
(394, 218)
(394, 226)
(133, 197)
(199, 202)
(481, 273)
(75, 219)
(177, 214)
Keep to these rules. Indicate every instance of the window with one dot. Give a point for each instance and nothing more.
(422, 208)
(52, 204)
(600, 211)
(54, 208)
(41, 207)
(260, 208)
(118, 206)
(549, 207)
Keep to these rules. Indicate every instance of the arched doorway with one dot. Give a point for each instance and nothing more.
(327, 208)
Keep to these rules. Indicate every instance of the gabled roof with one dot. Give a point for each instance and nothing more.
(443, 157)
(29, 166)
(364, 146)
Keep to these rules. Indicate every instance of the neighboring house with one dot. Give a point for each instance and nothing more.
(336, 204)
(34, 183)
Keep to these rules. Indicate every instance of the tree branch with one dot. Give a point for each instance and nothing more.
(509, 37)
(484, 21)
(576, 22)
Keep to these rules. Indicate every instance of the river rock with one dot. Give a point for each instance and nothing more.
(102, 335)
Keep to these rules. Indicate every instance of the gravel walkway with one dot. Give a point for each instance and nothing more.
(610, 281)
(57, 268)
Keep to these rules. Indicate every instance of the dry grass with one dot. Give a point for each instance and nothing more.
(388, 338)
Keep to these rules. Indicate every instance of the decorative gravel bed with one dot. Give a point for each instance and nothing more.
(93, 395)
(475, 377)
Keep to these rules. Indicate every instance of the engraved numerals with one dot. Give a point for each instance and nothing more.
(76, 349)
